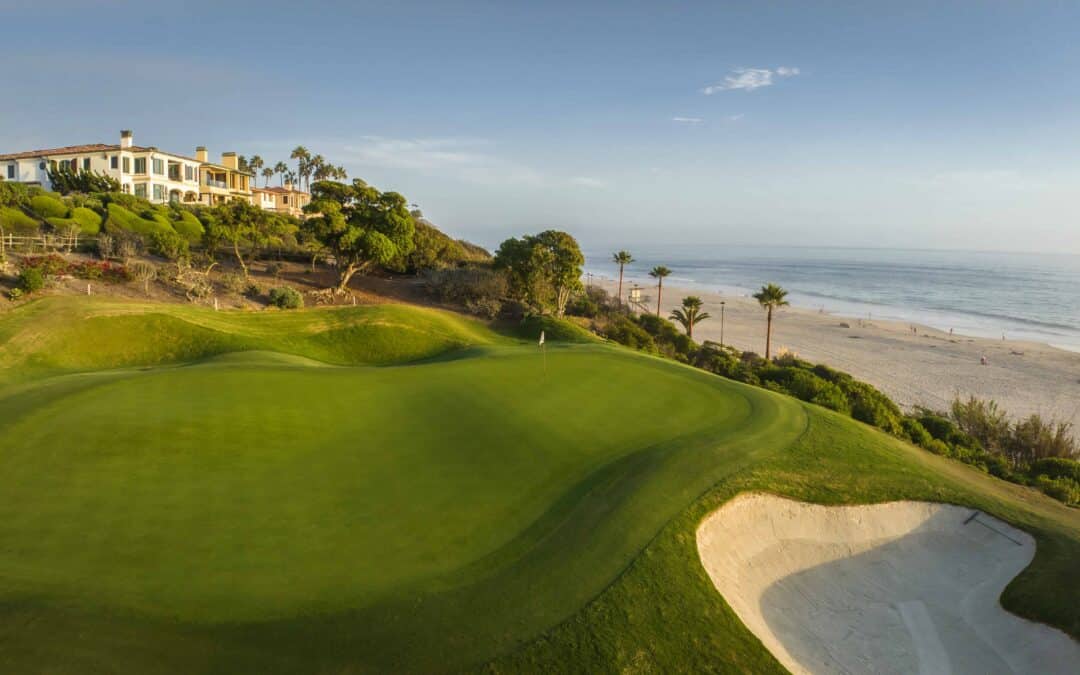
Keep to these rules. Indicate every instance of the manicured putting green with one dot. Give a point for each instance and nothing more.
(243, 491)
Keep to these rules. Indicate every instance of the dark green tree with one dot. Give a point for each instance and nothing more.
(359, 226)
(544, 270)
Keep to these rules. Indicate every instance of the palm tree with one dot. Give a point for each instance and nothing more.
(255, 164)
(280, 168)
(690, 314)
(622, 259)
(267, 173)
(770, 297)
(301, 155)
(658, 273)
(316, 167)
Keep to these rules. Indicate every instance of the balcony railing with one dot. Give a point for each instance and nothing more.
(215, 183)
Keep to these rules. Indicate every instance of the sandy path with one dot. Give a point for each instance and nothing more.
(928, 368)
(903, 587)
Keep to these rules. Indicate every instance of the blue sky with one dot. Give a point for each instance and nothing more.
(941, 125)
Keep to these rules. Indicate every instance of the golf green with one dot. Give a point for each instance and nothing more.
(382, 488)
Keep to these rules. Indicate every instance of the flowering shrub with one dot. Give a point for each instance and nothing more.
(53, 265)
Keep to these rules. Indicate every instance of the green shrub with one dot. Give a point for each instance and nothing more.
(188, 225)
(47, 206)
(938, 447)
(286, 297)
(30, 280)
(1056, 467)
(15, 294)
(14, 194)
(88, 220)
(168, 244)
(1062, 489)
(916, 432)
(14, 220)
(123, 219)
(624, 331)
(872, 407)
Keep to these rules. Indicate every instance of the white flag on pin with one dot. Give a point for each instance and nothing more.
(541, 339)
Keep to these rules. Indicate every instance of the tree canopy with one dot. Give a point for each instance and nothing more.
(543, 269)
(359, 225)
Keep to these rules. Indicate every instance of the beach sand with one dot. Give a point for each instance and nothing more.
(927, 368)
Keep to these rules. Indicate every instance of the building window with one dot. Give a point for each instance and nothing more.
(86, 164)
(11, 171)
(114, 161)
(140, 189)
(189, 172)
(285, 199)
(41, 165)
(159, 192)
(159, 167)
(140, 165)
(126, 188)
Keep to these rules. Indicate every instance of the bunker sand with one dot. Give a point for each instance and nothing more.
(902, 587)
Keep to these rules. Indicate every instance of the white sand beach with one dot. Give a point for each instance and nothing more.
(928, 367)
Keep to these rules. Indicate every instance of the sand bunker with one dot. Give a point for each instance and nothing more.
(904, 587)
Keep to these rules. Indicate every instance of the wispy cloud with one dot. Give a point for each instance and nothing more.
(687, 120)
(749, 79)
(734, 118)
(589, 182)
(467, 159)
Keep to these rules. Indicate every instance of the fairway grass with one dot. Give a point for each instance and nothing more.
(392, 488)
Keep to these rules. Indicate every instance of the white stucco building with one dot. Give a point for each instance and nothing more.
(143, 171)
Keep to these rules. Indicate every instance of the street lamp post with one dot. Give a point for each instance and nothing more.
(722, 303)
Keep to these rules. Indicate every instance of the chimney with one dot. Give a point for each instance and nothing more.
(288, 185)
(200, 154)
(126, 138)
(229, 160)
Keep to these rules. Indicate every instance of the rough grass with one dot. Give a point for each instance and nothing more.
(461, 507)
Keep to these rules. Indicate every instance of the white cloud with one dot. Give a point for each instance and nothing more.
(749, 79)
(589, 182)
(687, 120)
(734, 118)
(463, 158)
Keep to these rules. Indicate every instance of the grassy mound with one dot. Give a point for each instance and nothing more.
(274, 505)
(64, 334)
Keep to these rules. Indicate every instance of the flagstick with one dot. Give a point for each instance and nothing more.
(543, 350)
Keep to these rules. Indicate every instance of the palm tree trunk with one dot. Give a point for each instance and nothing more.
(659, 294)
(768, 333)
(690, 327)
(620, 284)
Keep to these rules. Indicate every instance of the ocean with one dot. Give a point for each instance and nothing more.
(1024, 296)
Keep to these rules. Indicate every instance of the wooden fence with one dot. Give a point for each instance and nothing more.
(43, 243)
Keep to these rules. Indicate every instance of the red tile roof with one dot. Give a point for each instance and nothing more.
(79, 149)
